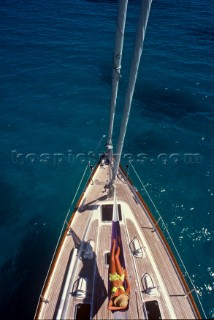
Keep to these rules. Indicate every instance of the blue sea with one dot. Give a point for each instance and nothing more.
(55, 87)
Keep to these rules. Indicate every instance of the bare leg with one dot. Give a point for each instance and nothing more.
(112, 267)
(119, 269)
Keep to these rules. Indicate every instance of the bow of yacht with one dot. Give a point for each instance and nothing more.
(77, 284)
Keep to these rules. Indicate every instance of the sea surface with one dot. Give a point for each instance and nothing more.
(55, 87)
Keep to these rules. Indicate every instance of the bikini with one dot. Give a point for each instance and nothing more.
(115, 277)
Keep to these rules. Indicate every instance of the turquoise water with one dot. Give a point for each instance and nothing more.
(55, 93)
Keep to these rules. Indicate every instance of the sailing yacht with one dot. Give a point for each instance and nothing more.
(111, 212)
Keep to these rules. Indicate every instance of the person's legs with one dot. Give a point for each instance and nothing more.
(119, 269)
(112, 266)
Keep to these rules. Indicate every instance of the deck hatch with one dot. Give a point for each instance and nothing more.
(107, 212)
(82, 311)
(152, 309)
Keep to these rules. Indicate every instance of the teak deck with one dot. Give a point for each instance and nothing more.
(158, 262)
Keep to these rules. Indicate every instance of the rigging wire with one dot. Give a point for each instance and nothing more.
(103, 136)
(160, 217)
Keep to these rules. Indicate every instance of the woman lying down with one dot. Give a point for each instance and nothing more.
(117, 275)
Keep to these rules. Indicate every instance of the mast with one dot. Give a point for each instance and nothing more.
(121, 21)
(140, 35)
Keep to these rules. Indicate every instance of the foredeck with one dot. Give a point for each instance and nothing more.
(157, 261)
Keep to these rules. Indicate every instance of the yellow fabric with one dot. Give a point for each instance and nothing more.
(114, 289)
(114, 277)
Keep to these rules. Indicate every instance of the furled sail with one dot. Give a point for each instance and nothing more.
(121, 21)
(140, 35)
